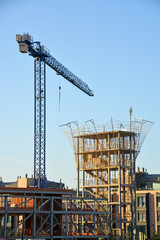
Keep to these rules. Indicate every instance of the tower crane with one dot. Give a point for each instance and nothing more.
(42, 57)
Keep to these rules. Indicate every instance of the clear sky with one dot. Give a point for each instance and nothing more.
(112, 45)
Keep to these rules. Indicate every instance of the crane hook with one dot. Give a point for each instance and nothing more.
(59, 98)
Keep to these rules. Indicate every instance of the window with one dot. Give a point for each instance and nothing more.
(141, 229)
(158, 228)
(158, 201)
(141, 201)
(141, 217)
(141, 232)
(158, 216)
(144, 217)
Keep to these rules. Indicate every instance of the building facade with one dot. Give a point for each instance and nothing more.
(147, 204)
(29, 182)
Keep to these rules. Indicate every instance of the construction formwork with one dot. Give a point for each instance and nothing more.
(105, 159)
(51, 214)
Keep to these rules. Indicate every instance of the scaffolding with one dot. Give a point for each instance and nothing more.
(46, 214)
(105, 158)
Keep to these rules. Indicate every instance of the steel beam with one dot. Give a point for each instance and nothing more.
(59, 217)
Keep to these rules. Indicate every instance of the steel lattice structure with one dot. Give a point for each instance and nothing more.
(105, 158)
(43, 57)
(40, 122)
(46, 214)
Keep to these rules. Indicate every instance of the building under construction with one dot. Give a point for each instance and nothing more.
(29, 213)
(105, 159)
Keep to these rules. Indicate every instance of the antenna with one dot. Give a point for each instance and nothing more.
(130, 113)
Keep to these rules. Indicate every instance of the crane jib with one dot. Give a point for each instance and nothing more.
(60, 69)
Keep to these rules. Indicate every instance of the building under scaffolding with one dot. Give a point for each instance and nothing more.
(105, 159)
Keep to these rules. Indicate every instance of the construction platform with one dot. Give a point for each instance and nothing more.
(105, 159)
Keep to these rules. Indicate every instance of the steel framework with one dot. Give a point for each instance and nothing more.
(51, 215)
(40, 122)
(43, 57)
(105, 159)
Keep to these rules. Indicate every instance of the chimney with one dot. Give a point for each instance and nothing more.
(138, 169)
(26, 175)
(142, 170)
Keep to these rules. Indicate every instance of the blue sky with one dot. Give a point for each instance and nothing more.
(112, 45)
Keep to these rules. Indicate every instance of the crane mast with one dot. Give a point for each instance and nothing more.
(41, 58)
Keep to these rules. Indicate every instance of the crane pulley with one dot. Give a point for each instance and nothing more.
(42, 57)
